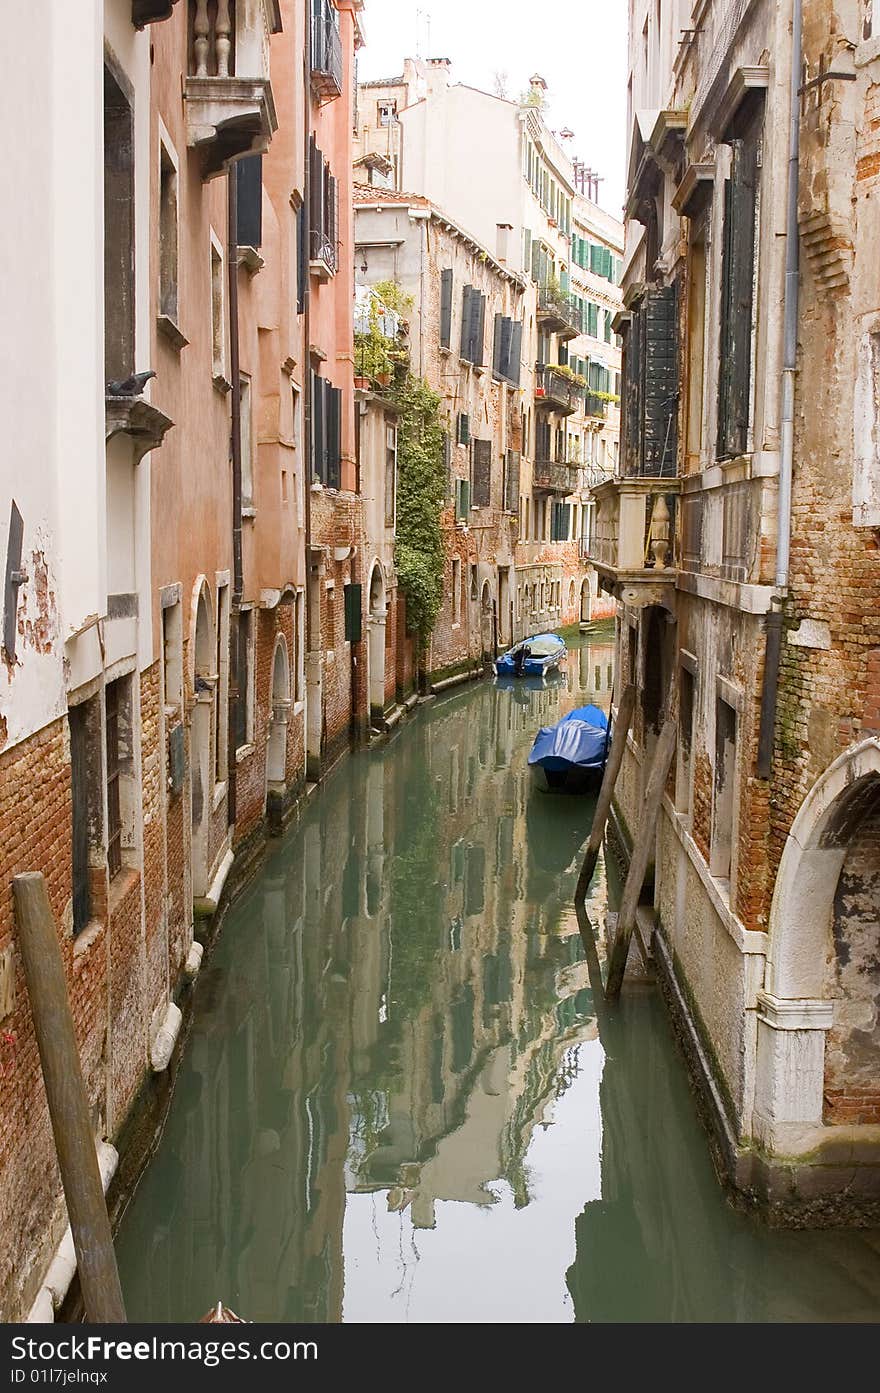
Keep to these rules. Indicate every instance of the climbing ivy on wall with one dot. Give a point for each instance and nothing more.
(421, 494)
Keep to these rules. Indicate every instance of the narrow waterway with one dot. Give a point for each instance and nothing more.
(395, 1103)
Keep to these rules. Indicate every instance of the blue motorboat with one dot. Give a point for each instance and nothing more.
(570, 756)
(532, 657)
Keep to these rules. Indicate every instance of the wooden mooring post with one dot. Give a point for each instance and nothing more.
(609, 779)
(641, 854)
(68, 1102)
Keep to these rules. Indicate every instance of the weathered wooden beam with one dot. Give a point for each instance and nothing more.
(641, 854)
(606, 792)
(67, 1098)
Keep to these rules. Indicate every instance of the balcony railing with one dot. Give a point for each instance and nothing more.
(550, 477)
(326, 59)
(556, 389)
(634, 532)
(595, 406)
(230, 109)
(322, 253)
(558, 312)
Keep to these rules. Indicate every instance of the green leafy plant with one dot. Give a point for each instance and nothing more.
(375, 355)
(421, 494)
(569, 373)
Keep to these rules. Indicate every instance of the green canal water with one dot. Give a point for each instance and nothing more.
(396, 1104)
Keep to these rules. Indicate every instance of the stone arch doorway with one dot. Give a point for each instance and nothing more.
(201, 781)
(486, 621)
(818, 1046)
(586, 612)
(276, 746)
(376, 620)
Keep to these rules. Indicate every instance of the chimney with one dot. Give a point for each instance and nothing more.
(537, 89)
(502, 234)
(438, 74)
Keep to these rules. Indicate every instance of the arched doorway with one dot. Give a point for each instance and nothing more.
(486, 621)
(586, 602)
(376, 620)
(276, 746)
(818, 1048)
(201, 781)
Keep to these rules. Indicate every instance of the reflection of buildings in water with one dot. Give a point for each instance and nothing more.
(473, 1067)
(390, 1007)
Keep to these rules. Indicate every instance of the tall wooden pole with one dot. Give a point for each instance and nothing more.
(609, 779)
(68, 1103)
(641, 854)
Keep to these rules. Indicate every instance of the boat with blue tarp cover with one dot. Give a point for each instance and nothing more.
(532, 656)
(570, 755)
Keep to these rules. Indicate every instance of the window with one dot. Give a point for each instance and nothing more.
(462, 499)
(323, 212)
(512, 463)
(473, 582)
(481, 473)
(218, 314)
(737, 282)
(302, 257)
(685, 739)
(221, 723)
(172, 659)
(326, 427)
(507, 349)
(168, 234)
(446, 308)
(456, 590)
(298, 646)
(247, 444)
(118, 231)
(386, 112)
(244, 706)
(390, 474)
(117, 727)
(249, 200)
(463, 433)
(473, 325)
(84, 722)
(723, 804)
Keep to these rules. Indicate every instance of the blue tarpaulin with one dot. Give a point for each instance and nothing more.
(578, 741)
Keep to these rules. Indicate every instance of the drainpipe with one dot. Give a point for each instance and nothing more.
(306, 452)
(770, 691)
(235, 440)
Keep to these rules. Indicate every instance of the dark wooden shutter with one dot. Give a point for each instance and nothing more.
(318, 448)
(333, 414)
(514, 461)
(515, 355)
(497, 357)
(302, 258)
(447, 460)
(353, 613)
(464, 428)
(12, 580)
(660, 384)
(332, 218)
(316, 194)
(478, 340)
(249, 200)
(481, 468)
(465, 348)
(446, 308)
(631, 413)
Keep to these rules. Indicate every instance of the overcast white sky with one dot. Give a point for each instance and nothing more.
(578, 47)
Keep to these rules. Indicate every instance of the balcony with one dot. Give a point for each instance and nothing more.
(230, 110)
(633, 541)
(556, 390)
(595, 406)
(322, 255)
(326, 56)
(557, 312)
(550, 477)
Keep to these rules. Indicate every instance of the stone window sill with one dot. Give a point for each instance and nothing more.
(219, 795)
(120, 886)
(221, 384)
(248, 510)
(244, 752)
(297, 708)
(169, 330)
(93, 930)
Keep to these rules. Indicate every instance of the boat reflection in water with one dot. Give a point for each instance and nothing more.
(394, 1103)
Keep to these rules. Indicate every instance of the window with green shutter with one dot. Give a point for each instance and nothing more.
(464, 431)
(353, 613)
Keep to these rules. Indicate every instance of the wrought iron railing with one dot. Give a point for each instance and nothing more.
(322, 248)
(556, 388)
(553, 477)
